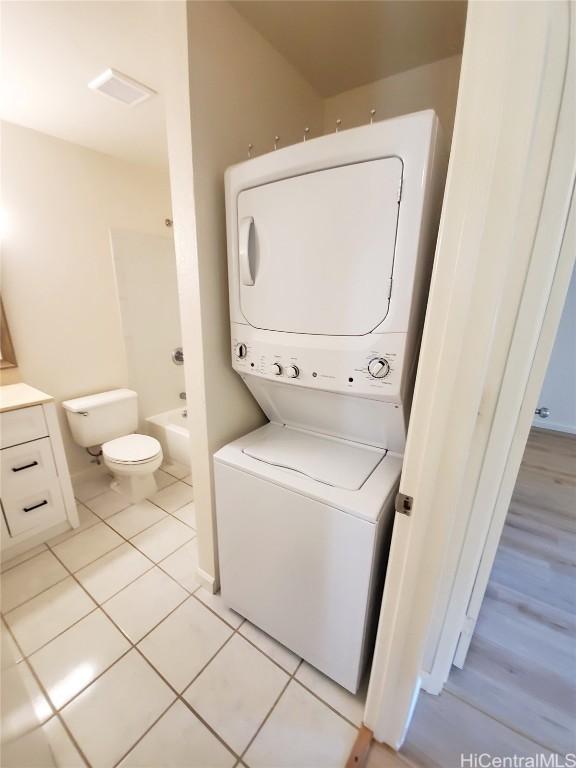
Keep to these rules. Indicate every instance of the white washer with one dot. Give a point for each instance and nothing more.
(330, 246)
(301, 524)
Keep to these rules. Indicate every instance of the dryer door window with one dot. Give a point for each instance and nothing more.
(316, 251)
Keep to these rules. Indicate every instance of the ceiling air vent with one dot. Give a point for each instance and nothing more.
(120, 87)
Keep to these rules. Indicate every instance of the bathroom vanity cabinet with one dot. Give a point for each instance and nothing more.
(36, 496)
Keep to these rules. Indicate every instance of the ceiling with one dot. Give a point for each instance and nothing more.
(51, 50)
(339, 45)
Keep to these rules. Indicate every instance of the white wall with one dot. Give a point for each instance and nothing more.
(236, 90)
(432, 86)
(58, 281)
(243, 91)
(559, 388)
(145, 268)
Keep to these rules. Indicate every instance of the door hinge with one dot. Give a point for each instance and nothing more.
(404, 503)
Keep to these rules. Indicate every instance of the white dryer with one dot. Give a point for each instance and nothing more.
(330, 246)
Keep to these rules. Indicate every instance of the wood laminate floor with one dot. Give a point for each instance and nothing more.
(517, 691)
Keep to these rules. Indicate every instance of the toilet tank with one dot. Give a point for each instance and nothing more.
(95, 419)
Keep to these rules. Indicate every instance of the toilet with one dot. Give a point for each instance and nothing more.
(109, 419)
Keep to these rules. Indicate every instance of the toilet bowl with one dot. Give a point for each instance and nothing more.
(132, 460)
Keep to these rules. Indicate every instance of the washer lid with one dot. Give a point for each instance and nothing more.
(131, 449)
(329, 460)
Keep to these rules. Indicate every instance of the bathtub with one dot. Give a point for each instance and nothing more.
(172, 429)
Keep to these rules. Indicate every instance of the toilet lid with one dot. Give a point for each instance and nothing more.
(132, 449)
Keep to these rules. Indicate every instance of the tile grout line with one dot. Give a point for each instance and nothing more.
(327, 704)
(61, 561)
(193, 594)
(272, 708)
(22, 562)
(41, 647)
(157, 564)
(146, 528)
(146, 732)
(173, 513)
(128, 541)
(134, 646)
(105, 474)
(53, 709)
(180, 697)
(42, 591)
(291, 674)
(74, 531)
(72, 574)
(48, 547)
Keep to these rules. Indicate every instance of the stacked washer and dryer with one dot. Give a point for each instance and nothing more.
(330, 249)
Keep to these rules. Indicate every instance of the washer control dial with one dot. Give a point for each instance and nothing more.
(292, 372)
(276, 369)
(241, 350)
(378, 367)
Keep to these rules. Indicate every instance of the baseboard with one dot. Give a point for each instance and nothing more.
(552, 426)
(431, 683)
(208, 581)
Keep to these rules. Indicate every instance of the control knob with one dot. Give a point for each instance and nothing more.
(292, 372)
(378, 367)
(241, 350)
(276, 369)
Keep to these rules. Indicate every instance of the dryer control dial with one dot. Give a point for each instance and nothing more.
(378, 367)
(292, 372)
(240, 350)
(276, 369)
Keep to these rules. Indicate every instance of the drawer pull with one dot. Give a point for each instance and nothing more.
(26, 466)
(35, 506)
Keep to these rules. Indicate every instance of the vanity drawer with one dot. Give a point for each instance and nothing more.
(22, 425)
(31, 495)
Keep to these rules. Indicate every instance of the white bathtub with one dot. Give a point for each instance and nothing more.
(172, 428)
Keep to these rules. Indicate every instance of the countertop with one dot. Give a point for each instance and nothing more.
(14, 396)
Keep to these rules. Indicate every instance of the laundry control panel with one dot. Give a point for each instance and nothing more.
(372, 364)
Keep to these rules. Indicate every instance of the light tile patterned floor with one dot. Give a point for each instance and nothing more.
(131, 662)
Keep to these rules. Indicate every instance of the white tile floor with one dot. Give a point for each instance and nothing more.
(132, 663)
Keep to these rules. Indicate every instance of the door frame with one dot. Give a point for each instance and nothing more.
(499, 277)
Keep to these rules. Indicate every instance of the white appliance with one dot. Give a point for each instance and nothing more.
(330, 246)
(109, 419)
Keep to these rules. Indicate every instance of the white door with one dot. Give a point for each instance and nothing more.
(316, 251)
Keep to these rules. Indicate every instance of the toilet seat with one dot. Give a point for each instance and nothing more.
(132, 449)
